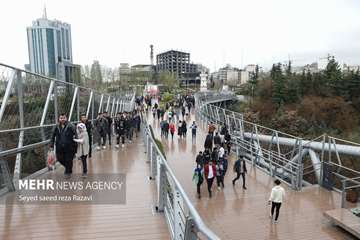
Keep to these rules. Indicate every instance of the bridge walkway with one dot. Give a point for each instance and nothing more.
(134, 220)
(234, 213)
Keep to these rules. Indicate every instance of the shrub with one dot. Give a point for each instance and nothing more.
(328, 112)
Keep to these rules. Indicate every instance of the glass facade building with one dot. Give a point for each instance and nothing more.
(50, 48)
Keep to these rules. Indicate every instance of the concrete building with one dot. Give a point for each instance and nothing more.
(142, 68)
(244, 76)
(124, 68)
(313, 68)
(50, 48)
(178, 63)
(174, 62)
(350, 68)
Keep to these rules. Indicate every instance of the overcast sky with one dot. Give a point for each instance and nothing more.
(238, 32)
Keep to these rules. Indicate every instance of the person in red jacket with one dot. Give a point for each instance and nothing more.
(172, 130)
(210, 173)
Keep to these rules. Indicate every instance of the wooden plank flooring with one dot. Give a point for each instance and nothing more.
(134, 220)
(234, 213)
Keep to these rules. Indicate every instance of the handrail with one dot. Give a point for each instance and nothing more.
(53, 79)
(195, 215)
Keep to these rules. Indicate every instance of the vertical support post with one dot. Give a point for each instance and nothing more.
(107, 104)
(161, 186)
(6, 96)
(51, 87)
(301, 166)
(179, 228)
(113, 108)
(89, 104)
(343, 194)
(190, 230)
(73, 103)
(20, 92)
(101, 102)
(56, 106)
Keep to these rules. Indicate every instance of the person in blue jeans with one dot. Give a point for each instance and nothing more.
(198, 178)
(193, 130)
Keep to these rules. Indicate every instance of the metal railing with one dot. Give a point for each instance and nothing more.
(30, 106)
(183, 220)
(277, 153)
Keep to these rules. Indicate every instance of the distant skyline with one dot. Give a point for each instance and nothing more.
(215, 33)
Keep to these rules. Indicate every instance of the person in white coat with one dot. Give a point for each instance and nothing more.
(276, 198)
(83, 145)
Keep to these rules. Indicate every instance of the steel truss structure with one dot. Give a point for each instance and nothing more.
(280, 154)
(30, 106)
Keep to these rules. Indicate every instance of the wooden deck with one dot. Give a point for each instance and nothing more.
(234, 213)
(134, 220)
(345, 219)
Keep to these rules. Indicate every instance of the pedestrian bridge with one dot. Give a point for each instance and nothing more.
(161, 200)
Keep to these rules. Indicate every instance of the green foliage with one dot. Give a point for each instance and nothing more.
(157, 141)
(279, 92)
(168, 80)
(95, 72)
(307, 104)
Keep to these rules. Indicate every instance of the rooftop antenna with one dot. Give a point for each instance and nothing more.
(44, 14)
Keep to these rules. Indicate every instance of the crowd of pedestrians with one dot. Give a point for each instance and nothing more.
(212, 164)
(69, 140)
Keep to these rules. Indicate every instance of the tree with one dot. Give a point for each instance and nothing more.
(168, 80)
(333, 76)
(95, 73)
(279, 85)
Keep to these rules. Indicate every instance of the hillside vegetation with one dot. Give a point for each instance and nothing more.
(307, 104)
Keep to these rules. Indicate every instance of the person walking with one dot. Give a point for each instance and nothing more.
(211, 128)
(172, 130)
(208, 142)
(220, 174)
(120, 130)
(227, 139)
(198, 178)
(240, 169)
(83, 146)
(193, 131)
(63, 138)
(276, 198)
(109, 125)
(184, 129)
(221, 152)
(101, 128)
(210, 173)
(217, 140)
(180, 134)
(162, 128)
(137, 119)
(88, 124)
(200, 159)
(166, 129)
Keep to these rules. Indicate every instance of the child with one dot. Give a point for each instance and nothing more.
(83, 146)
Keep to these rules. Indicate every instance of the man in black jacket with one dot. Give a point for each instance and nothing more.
(240, 169)
(120, 129)
(109, 122)
(200, 159)
(208, 142)
(88, 124)
(217, 140)
(63, 138)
